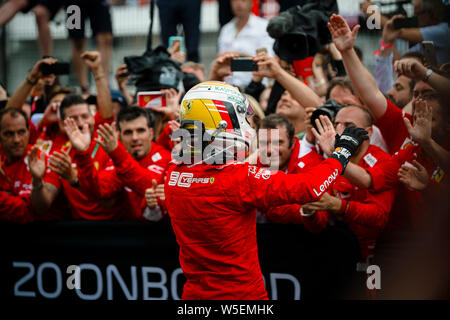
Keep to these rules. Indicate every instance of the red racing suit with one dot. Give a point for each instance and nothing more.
(106, 184)
(213, 215)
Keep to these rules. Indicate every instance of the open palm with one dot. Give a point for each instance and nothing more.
(420, 130)
(325, 134)
(343, 38)
(36, 163)
(414, 176)
(80, 140)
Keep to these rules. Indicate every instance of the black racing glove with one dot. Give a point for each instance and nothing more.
(348, 144)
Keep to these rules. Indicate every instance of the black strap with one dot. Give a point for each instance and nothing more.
(148, 51)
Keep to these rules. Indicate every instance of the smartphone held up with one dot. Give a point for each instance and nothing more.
(243, 65)
(174, 39)
(429, 52)
(147, 99)
(406, 23)
(58, 68)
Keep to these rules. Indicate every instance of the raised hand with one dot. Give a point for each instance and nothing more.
(51, 113)
(61, 163)
(150, 195)
(326, 135)
(172, 110)
(92, 59)
(174, 125)
(343, 37)
(410, 68)
(413, 176)
(36, 163)
(176, 53)
(35, 74)
(221, 66)
(267, 66)
(108, 137)
(390, 34)
(80, 140)
(420, 130)
(364, 6)
(121, 76)
(348, 144)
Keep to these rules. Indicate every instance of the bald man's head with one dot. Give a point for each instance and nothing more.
(352, 116)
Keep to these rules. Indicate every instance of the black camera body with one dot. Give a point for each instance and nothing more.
(301, 31)
(329, 109)
(154, 71)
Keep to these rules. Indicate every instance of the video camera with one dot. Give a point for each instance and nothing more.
(155, 71)
(301, 31)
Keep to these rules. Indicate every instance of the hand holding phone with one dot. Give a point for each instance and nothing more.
(58, 68)
(177, 42)
(148, 99)
(406, 23)
(430, 53)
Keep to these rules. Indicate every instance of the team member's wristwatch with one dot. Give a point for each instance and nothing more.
(427, 75)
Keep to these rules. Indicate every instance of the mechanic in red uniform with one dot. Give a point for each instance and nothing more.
(408, 209)
(62, 154)
(15, 175)
(74, 107)
(19, 97)
(15, 178)
(283, 153)
(364, 211)
(212, 195)
(136, 133)
(407, 212)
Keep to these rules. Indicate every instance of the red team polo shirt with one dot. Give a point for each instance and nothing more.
(408, 209)
(106, 183)
(368, 210)
(81, 206)
(15, 189)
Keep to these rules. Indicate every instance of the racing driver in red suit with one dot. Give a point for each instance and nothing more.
(212, 194)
